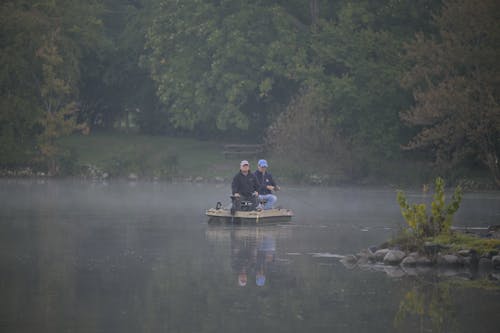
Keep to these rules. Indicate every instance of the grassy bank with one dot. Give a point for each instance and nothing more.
(120, 154)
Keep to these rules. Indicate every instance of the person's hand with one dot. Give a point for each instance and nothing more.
(270, 187)
(255, 194)
(237, 195)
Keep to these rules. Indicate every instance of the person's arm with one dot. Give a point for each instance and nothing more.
(256, 185)
(261, 185)
(234, 185)
(271, 180)
(270, 185)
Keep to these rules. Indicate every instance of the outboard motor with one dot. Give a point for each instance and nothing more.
(246, 206)
(241, 205)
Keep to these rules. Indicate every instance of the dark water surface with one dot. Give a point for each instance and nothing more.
(83, 257)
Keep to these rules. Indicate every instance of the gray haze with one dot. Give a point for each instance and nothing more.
(140, 257)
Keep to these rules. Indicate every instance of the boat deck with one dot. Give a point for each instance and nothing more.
(255, 217)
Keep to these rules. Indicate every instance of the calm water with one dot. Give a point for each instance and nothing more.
(82, 257)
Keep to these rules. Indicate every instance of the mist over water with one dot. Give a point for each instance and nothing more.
(140, 257)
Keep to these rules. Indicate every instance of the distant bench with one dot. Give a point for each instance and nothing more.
(242, 150)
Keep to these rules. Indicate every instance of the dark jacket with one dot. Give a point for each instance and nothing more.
(245, 185)
(264, 180)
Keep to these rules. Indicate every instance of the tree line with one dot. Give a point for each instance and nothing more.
(347, 83)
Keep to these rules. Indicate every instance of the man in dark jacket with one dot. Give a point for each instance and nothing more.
(266, 185)
(244, 187)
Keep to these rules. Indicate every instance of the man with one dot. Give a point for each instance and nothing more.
(244, 187)
(266, 185)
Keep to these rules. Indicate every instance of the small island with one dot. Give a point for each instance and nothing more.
(431, 242)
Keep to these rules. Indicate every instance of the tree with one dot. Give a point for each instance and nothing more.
(19, 110)
(42, 45)
(353, 71)
(455, 79)
(114, 85)
(57, 94)
(224, 64)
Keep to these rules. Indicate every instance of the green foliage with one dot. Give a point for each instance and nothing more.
(432, 300)
(460, 241)
(217, 63)
(233, 69)
(415, 215)
(455, 76)
(424, 225)
(41, 48)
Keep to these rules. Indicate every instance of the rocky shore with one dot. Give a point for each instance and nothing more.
(398, 263)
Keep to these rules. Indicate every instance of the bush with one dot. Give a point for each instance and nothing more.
(439, 221)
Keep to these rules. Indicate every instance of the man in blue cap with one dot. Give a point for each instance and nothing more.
(266, 185)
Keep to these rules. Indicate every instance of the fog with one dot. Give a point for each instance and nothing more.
(139, 256)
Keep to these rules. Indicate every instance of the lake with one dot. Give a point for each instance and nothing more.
(140, 257)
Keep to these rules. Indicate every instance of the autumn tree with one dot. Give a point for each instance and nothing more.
(351, 97)
(42, 45)
(455, 79)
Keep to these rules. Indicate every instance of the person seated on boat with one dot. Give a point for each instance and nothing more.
(267, 185)
(245, 187)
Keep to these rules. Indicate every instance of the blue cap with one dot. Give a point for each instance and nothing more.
(260, 280)
(262, 163)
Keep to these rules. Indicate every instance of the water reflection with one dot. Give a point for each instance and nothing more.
(429, 300)
(252, 253)
(76, 257)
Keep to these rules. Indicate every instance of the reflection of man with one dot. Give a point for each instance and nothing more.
(252, 255)
(243, 254)
(265, 256)
(244, 187)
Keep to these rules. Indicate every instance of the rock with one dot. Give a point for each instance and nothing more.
(485, 264)
(422, 270)
(363, 260)
(349, 261)
(467, 261)
(496, 262)
(464, 253)
(412, 271)
(423, 261)
(365, 256)
(394, 272)
(350, 258)
(448, 260)
(394, 257)
(409, 261)
(379, 255)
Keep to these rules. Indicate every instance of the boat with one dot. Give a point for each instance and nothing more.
(220, 214)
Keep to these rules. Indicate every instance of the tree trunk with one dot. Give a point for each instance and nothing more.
(491, 162)
(314, 10)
